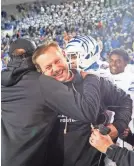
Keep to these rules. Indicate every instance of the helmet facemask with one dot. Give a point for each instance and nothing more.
(74, 60)
(79, 61)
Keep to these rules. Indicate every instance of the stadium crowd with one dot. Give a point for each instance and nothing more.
(112, 26)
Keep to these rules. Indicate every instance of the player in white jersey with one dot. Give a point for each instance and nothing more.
(118, 67)
(82, 52)
(122, 77)
(130, 68)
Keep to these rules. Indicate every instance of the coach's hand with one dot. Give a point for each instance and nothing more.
(84, 74)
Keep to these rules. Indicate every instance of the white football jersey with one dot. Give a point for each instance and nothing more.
(124, 80)
(130, 68)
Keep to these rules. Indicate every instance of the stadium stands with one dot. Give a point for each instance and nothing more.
(112, 26)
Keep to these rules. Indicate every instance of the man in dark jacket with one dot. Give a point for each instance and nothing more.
(121, 156)
(30, 104)
(74, 144)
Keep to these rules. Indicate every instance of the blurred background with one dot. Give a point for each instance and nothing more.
(110, 22)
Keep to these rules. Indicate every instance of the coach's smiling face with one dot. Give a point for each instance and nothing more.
(54, 64)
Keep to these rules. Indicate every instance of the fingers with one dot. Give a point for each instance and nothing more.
(84, 74)
(96, 131)
(127, 130)
(95, 135)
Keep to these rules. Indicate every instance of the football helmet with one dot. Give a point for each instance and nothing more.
(82, 52)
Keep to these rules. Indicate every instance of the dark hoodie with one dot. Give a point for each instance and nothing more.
(30, 103)
(70, 146)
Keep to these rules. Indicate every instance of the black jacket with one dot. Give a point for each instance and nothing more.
(30, 104)
(130, 139)
(121, 156)
(73, 148)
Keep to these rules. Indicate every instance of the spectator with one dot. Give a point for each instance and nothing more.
(82, 18)
(115, 43)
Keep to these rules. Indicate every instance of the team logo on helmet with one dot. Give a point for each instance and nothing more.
(82, 52)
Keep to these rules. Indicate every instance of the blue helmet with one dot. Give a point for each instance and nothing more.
(86, 51)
